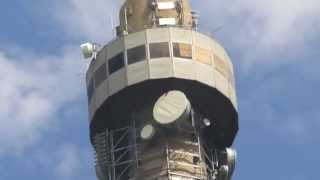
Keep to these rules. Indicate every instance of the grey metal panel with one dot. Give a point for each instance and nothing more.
(184, 68)
(201, 40)
(137, 72)
(158, 35)
(222, 66)
(222, 83)
(219, 51)
(205, 74)
(100, 75)
(228, 59)
(233, 96)
(135, 39)
(117, 81)
(101, 93)
(115, 47)
(101, 58)
(89, 74)
(161, 68)
(181, 35)
(92, 107)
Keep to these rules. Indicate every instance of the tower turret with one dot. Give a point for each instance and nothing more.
(162, 98)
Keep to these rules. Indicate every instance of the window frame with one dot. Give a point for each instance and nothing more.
(222, 67)
(90, 89)
(119, 58)
(136, 49)
(154, 53)
(176, 50)
(101, 71)
(201, 52)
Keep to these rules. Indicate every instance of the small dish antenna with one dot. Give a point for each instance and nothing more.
(89, 49)
(147, 132)
(171, 107)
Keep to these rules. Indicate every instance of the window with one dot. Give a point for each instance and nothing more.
(221, 66)
(116, 63)
(166, 5)
(158, 50)
(182, 50)
(90, 90)
(136, 54)
(167, 21)
(100, 75)
(203, 55)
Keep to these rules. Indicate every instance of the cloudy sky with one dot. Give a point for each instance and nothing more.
(274, 45)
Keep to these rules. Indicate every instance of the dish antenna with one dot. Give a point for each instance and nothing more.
(89, 49)
(147, 132)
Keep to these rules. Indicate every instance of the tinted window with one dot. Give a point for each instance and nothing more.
(90, 90)
(136, 54)
(100, 75)
(182, 50)
(158, 50)
(116, 63)
(221, 66)
(203, 55)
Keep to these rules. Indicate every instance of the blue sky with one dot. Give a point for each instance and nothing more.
(274, 45)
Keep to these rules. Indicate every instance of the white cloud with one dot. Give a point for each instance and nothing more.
(283, 21)
(282, 106)
(61, 161)
(33, 88)
(90, 19)
(261, 29)
(69, 161)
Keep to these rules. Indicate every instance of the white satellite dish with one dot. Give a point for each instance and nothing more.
(147, 132)
(89, 49)
(171, 107)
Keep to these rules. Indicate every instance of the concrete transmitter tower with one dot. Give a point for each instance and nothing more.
(162, 98)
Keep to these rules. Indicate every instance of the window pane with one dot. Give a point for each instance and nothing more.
(182, 50)
(158, 50)
(203, 55)
(116, 63)
(221, 66)
(136, 54)
(100, 75)
(90, 90)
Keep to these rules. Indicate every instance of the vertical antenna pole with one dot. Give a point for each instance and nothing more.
(112, 23)
(112, 148)
(126, 19)
(168, 160)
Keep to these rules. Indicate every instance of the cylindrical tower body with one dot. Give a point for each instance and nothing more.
(162, 98)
